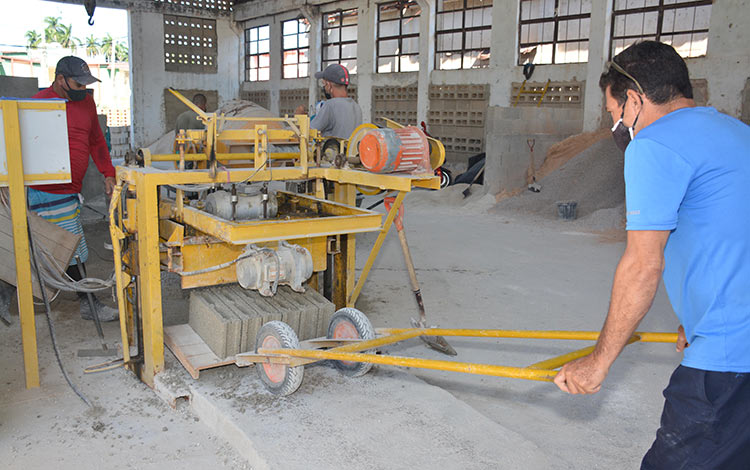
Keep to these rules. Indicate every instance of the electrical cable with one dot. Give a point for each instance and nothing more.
(47, 313)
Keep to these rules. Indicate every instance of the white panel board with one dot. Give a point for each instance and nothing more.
(44, 144)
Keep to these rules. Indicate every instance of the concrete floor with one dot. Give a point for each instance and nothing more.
(477, 270)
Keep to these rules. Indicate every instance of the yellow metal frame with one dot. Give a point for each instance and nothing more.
(16, 180)
(160, 225)
(540, 371)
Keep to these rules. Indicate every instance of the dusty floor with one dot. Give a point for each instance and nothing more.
(478, 269)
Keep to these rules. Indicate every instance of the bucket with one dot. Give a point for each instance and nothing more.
(567, 210)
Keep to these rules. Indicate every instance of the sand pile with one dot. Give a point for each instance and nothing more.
(452, 200)
(232, 108)
(593, 178)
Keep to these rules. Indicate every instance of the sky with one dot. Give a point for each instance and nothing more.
(20, 16)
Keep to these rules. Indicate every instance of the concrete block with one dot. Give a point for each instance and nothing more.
(247, 303)
(308, 313)
(210, 325)
(325, 310)
(236, 329)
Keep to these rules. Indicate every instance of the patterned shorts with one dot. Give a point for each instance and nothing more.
(64, 210)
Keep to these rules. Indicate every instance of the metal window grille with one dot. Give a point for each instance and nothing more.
(217, 6)
(554, 31)
(463, 30)
(189, 44)
(683, 24)
(340, 39)
(398, 36)
(295, 48)
(258, 54)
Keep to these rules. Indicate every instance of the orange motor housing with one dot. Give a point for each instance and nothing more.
(395, 150)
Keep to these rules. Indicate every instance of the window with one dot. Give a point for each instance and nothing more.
(258, 54)
(683, 24)
(462, 34)
(398, 36)
(340, 39)
(554, 31)
(189, 44)
(295, 47)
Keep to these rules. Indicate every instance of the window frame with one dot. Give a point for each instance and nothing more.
(556, 20)
(297, 48)
(463, 30)
(660, 8)
(258, 54)
(340, 43)
(400, 36)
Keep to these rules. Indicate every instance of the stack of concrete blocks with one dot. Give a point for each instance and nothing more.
(395, 103)
(228, 318)
(456, 118)
(119, 137)
(290, 99)
(259, 97)
(559, 94)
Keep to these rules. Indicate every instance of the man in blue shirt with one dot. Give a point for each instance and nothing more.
(687, 179)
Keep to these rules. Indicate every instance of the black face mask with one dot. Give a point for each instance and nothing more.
(622, 134)
(75, 95)
(326, 94)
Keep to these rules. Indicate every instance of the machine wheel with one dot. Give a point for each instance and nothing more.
(350, 323)
(279, 379)
(446, 177)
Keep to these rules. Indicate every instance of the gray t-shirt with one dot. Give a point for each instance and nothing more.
(188, 120)
(337, 117)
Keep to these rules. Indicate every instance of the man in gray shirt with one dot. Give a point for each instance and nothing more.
(189, 119)
(338, 115)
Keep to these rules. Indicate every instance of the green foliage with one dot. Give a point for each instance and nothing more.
(33, 39)
(92, 46)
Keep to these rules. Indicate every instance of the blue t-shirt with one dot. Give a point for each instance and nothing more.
(689, 172)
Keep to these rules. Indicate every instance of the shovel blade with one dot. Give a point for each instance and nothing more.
(438, 343)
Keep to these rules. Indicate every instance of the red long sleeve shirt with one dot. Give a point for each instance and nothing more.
(84, 138)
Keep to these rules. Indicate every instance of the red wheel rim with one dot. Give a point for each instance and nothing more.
(274, 372)
(346, 330)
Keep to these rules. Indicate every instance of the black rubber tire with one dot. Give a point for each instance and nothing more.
(446, 178)
(279, 379)
(358, 321)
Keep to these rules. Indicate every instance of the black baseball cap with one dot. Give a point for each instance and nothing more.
(75, 68)
(334, 73)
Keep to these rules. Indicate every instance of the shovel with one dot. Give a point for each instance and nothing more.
(466, 192)
(438, 343)
(534, 187)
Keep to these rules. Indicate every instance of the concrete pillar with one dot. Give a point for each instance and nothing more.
(503, 51)
(426, 57)
(314, 37)
(275, 73)
(366, 30)
(599, 34)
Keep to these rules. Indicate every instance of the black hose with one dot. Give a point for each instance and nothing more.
(47, 313)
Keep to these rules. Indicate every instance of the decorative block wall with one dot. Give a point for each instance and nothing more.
(457, 117)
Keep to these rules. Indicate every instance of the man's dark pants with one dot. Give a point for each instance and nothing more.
(705, 423)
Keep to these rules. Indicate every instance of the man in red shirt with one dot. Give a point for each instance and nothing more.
(61, 203)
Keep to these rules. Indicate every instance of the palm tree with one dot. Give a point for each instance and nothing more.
(33, 39)
(65, 37)
(92, 46)
(121, 52)
(52, 31)
(108, 47)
